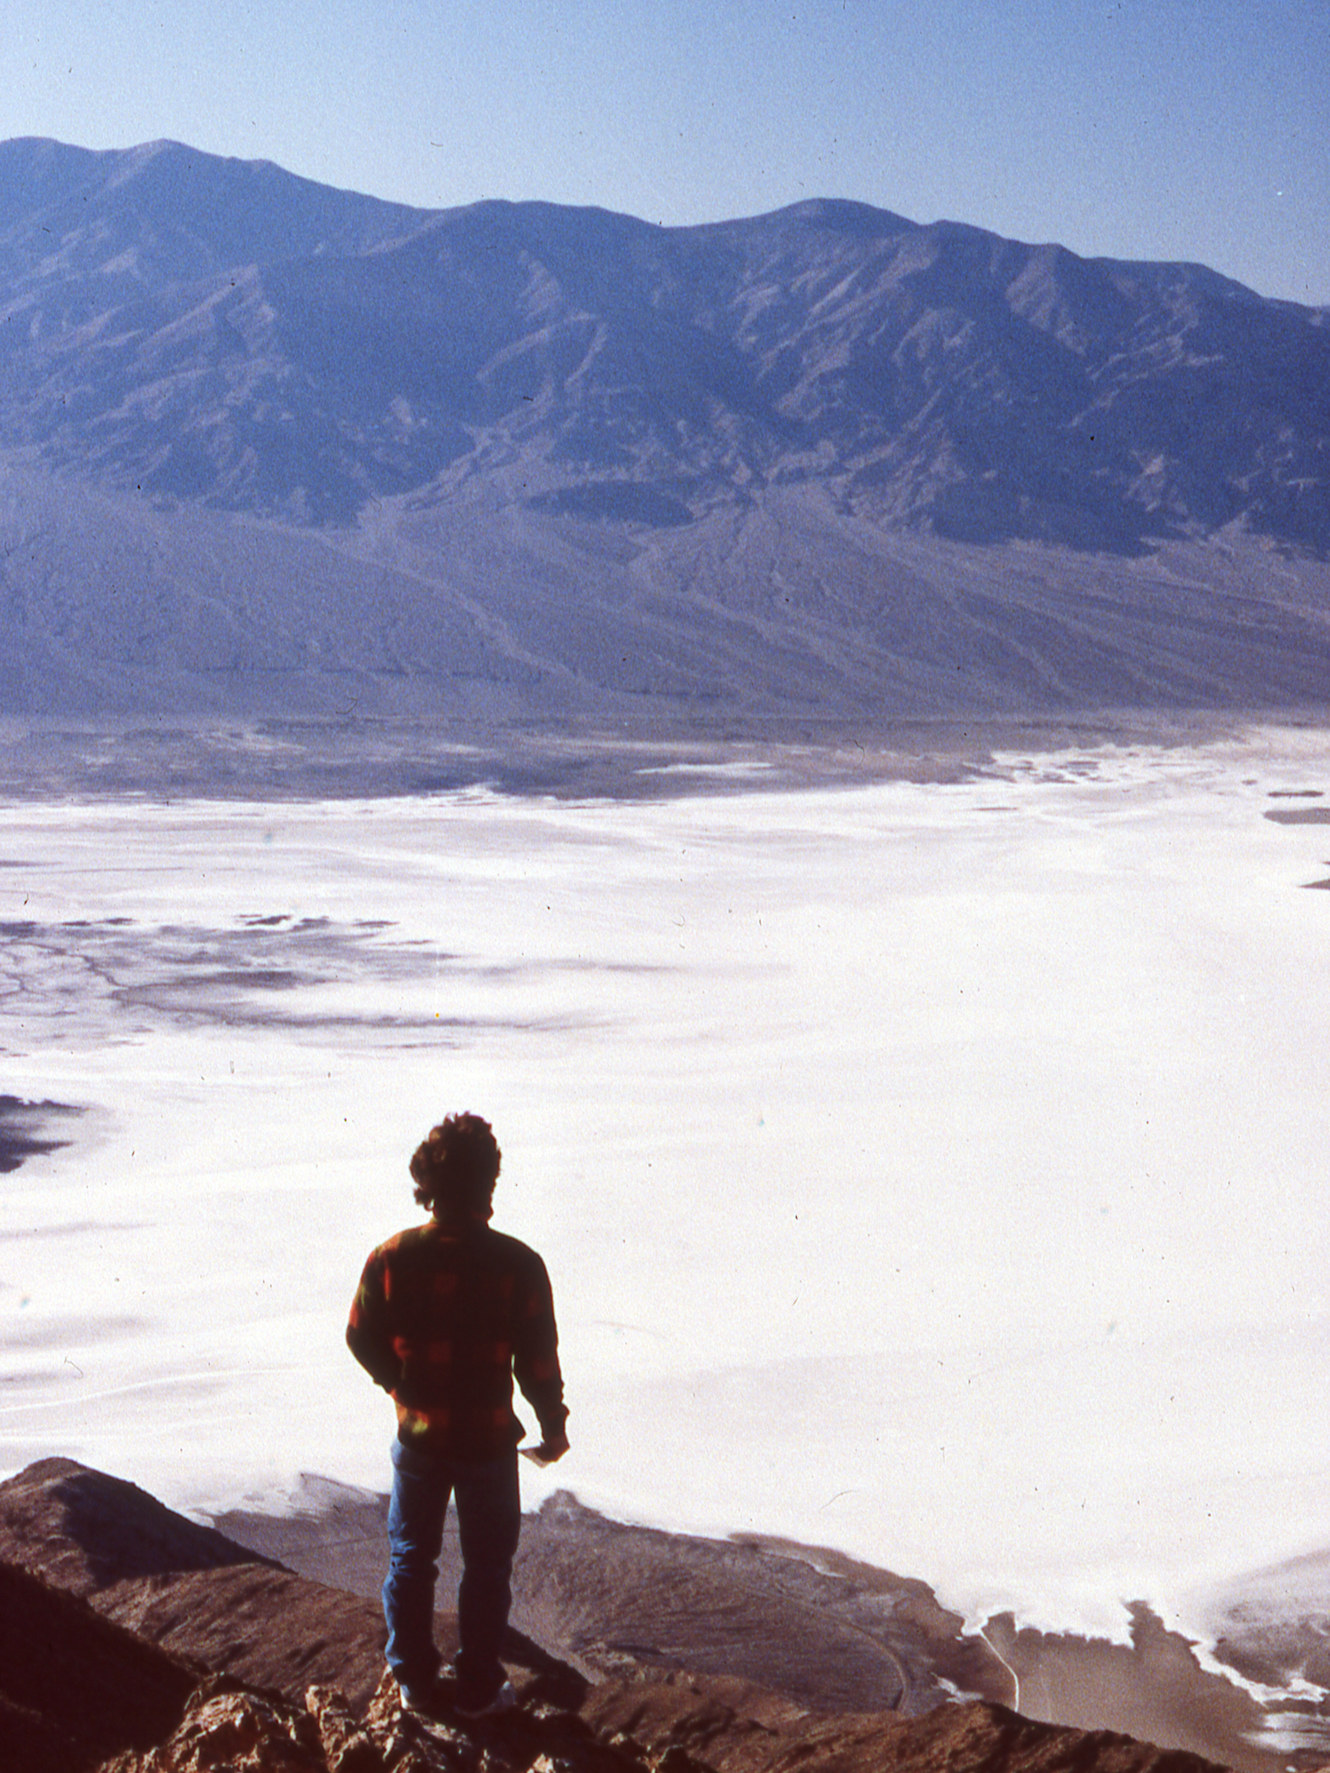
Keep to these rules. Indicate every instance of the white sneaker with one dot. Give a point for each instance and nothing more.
(414, 1698)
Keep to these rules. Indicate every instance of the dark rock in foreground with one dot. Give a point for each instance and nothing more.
(75, 1687)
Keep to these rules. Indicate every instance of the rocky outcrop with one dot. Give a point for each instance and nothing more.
(241, 1730)
(227, 1729)
(235, 1665)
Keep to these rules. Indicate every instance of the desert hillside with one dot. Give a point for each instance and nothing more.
(138, 1641)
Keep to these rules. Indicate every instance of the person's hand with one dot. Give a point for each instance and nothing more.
(552, 1448)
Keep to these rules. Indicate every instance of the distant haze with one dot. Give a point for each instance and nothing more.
(273, 446)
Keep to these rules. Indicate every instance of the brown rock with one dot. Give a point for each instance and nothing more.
(980, 1737)
(736, 1730)
(232, 1730)
(83, 1530)
(347, 1748)
(262, 1625)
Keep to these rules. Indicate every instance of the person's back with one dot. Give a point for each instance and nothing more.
(446, 1315)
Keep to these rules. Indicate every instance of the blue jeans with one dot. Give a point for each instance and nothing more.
(489, 1520)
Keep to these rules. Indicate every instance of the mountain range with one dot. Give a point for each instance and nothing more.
(271, 447)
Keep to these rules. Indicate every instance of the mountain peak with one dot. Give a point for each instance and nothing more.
(843, 215)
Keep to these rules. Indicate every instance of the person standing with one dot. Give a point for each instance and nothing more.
(446, 1315)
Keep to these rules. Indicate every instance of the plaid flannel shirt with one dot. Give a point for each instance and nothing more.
(444, 1320)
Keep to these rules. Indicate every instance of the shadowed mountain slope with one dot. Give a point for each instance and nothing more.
(186, 1587)
(223, 330)
(74, 1687)
(317, 450)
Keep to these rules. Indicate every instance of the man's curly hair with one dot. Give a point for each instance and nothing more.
(457, 1166)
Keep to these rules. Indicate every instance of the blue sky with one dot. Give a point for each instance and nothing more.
(1188, 129)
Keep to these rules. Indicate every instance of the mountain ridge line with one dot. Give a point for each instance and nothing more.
(565, 463)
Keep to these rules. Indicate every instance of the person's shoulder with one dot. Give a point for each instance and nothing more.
(404, 1242)
(512, 1249)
